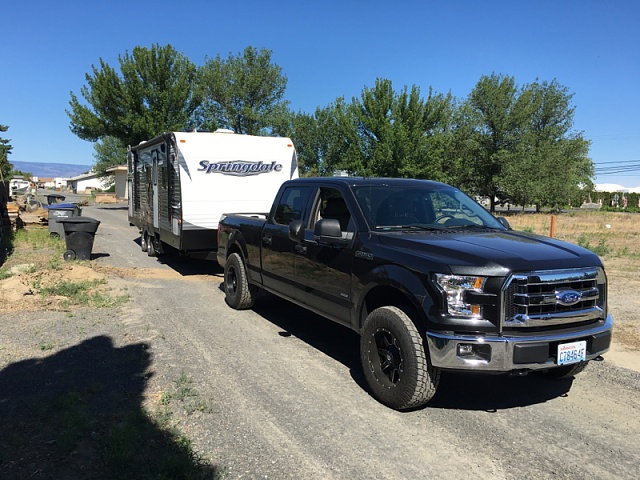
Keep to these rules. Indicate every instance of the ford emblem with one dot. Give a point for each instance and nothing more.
(568, 297)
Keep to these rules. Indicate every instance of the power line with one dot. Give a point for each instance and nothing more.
(616, 161)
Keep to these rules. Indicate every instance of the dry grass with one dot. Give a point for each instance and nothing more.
(618, 234)
(616, 238)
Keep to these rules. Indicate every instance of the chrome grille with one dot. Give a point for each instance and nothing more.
(549, 298)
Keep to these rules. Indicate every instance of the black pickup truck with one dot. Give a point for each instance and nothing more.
(427, 277)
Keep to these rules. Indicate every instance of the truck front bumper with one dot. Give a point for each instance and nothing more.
(510, 353)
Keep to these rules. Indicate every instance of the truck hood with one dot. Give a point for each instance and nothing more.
(501, 251)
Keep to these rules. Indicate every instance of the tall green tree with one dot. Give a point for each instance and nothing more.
(496, 119)
(108, 152)
(562, 165)
(244, 93)
(389, 133)
(154, 92)
(5, 151)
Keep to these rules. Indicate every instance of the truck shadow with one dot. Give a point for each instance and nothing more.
(78, 414)
(457, 391)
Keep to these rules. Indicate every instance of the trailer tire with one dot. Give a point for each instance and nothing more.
(394, 360)
(144, 241)
(151, 247)
(239, 295)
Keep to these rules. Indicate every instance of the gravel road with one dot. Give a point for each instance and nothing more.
(289, 399)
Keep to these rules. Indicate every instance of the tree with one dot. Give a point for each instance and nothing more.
(562, 162)
(244, 93)
(522, 148)
(5, 151)
(154, 92)
(496, 119)
(386, 133)
(109, 152)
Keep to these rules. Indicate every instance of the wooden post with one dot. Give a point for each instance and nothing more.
(553, 226)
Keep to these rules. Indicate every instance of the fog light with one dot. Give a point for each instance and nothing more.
(465, 349)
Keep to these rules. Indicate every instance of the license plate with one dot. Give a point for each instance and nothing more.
(573, 352)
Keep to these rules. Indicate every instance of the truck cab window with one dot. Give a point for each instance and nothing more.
(291, 205)
(331, 204)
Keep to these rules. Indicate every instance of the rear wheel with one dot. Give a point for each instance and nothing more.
(565, 371)
(238, 293)
(394, 360)
(69, 255)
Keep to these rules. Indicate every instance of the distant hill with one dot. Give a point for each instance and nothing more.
(51, 170)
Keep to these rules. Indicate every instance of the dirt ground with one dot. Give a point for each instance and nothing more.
(20, 292)
(253, 403)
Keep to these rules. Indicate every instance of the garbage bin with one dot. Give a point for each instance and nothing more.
(79, 233)
(59, 211)
(54, 198)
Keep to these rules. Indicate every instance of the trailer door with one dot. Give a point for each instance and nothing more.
(154, 176)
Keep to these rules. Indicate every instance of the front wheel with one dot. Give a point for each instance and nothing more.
(394, 360)
(238, 293)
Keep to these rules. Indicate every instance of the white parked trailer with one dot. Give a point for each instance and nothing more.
(180, 183)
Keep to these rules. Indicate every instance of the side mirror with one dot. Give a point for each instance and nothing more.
(504, 223)
(328, 230)
(296, 231)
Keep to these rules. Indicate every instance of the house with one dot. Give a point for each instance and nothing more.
(120, 174)
(87, 182)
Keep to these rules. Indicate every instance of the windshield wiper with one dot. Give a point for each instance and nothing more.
(411, 226)
(472, 226)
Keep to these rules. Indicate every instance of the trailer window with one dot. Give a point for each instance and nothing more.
(291, 205)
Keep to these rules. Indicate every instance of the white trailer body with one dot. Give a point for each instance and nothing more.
(180, 184)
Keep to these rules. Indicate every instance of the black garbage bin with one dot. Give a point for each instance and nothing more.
(54, 198)
(79, 233)
(60, 211)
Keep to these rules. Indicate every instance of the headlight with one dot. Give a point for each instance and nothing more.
(455, 286)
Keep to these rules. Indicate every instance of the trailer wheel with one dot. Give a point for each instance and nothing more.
(144, 241)
(238, 293)
(394, 360)
(151, 246)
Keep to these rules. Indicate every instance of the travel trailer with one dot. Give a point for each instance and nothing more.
(180, 183)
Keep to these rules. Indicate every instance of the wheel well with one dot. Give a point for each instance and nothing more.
(385, 295)
(234, 248)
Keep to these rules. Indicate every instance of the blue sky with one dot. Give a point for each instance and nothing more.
(328, 49)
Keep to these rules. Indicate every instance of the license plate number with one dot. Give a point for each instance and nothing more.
(573, 352)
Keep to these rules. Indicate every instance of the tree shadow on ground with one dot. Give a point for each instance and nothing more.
(78, 414)
(464, 391)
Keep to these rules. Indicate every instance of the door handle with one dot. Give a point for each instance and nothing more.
(301, 249)
(266, 239)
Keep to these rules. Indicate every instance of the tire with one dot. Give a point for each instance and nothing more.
(144, 241)
(54, 235)
(69, 255)
(394, 360)
(151, 247)
(238, 293)
(565, 371)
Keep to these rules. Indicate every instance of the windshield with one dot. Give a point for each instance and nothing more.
(428, 206)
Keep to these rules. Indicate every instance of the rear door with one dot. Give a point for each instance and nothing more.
(278, 250)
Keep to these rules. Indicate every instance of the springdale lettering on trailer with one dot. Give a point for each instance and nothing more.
(239, 167)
